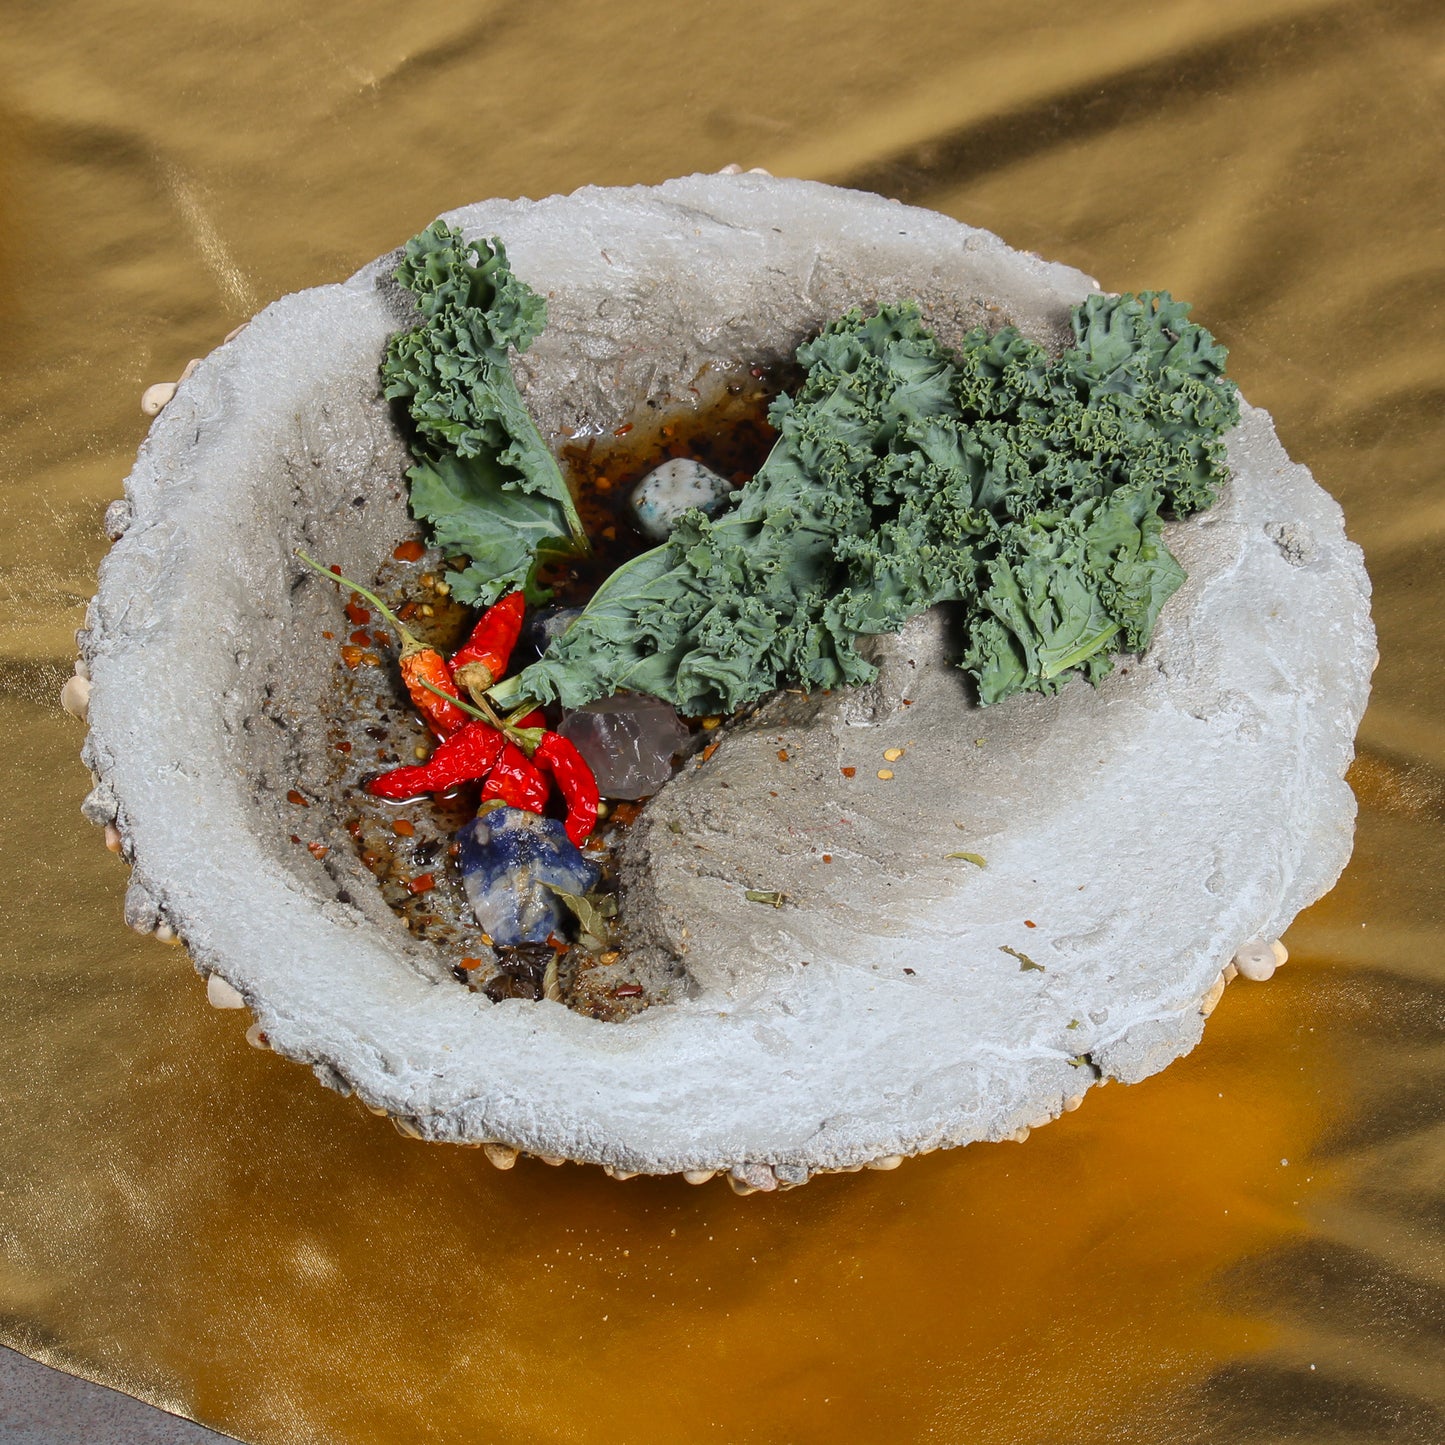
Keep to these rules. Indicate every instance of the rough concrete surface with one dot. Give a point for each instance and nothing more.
(42, 1406)
(1146, 830)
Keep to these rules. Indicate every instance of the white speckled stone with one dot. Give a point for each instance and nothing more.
(666, 492)
(1195, 801)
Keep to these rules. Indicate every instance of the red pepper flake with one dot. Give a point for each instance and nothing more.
(294, 838)
(422, 883)
(621, 431)
(335, 569)
(907, 702)
(329, 636)
(351, 656)
(317, 850)
(294, 797)
(353, 826)
(782, 755)
(454, 850)
(708, 751)
(356, 614)
(412, 551)
(371, 659)
(406, 611)
(343, 747)
(402, 828)
(361, 637)
(1029, 923)
(848, 772)
(627, 990)
(827, 857)
(471, 963)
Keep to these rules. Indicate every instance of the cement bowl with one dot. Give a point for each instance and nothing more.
(1137, 837)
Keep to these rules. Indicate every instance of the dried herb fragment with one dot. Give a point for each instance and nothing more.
(773, 899)
(1025, 962)
(977, 859)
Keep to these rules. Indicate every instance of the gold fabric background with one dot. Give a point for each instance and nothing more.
(1245, 1248)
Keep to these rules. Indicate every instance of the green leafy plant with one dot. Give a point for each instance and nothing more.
(1028, 489)
(485, 481)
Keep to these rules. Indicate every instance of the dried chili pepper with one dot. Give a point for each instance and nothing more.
(516, 781)
(482, 659)
(559, 757)
(464, 757)
(419, 662)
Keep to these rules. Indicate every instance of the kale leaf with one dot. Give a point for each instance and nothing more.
(1031, 490)
(484, 481)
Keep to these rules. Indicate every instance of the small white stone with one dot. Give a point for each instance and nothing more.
(190, 370)
(256, 1037)
(888, 1161)
(75, 697)
(738, 1187)
(619, 1173)
(698, 1176)
(553, 1159)
(502, 1155)
(666, 492)
(112, 837)
(1019, 1135)
(1231, 971)
(221, 994)
(1281, 954)
(406, 1128)
(166, 934)
(732, 169)
(1211, 999)
(1256, 961)
(82, 668)
(1072, 1103)
(154, 398)
(233, 334)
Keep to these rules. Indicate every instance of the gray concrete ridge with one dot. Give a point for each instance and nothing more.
(1192, 805)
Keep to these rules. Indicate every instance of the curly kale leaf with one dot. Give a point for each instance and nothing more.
(1029, 490)
(485, 480)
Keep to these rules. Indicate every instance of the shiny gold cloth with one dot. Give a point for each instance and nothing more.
(1247, 1247)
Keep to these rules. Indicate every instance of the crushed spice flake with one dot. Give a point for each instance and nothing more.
(292, 796)
(849, 772)
(422, 883)
(317, 850)
(411, 551)
(402, 828)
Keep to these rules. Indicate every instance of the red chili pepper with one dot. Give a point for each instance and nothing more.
(484, 656)
(418, 661)
(464, 757)
(559, 757)
(516, 781)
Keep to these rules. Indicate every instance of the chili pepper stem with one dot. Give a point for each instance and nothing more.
(409, 641)
(525, 738)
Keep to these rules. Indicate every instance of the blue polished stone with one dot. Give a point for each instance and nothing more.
(507, 857)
